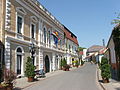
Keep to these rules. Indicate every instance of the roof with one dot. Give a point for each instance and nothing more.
(70, 35)
(95, 48)
(117, 26)
(102, 51)
(81, 52)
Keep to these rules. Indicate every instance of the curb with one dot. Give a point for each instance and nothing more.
(99, 79)
(41, 80)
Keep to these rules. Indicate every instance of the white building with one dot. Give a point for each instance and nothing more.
(71, 46)
(23, 22)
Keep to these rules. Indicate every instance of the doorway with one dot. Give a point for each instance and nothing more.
(47, 64)
(19, 60)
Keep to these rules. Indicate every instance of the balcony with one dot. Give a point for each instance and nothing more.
(52, 47)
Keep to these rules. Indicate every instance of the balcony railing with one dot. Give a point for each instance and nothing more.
(52, 47)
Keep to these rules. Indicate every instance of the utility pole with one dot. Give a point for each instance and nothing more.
(103, 42)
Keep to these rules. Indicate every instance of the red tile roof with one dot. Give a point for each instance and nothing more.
(81, 52)
(68, 35)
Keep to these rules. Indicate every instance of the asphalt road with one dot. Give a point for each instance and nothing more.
(83, 78)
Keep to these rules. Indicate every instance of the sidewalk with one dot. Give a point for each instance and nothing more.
(113, 85)
(22, 83)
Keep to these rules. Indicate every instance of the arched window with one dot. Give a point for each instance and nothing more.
(19, 60)
(19, 50)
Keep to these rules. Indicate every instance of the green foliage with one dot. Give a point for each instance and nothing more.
(105, 68)
(77, 63)
(117, 20)
(30, 68)
(80, 48)
(67, 66)
(82, 62)
(116, 39)
(63, 62)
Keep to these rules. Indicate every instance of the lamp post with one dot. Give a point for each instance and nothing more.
(32, 49)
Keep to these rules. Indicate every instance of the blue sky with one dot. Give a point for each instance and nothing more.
(89, 20)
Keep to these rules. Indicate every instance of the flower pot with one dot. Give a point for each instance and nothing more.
(10, 86)
(106, 80)
(3, 88)
(67, 69)
(77, 66)
(30, 79)
(64, 69)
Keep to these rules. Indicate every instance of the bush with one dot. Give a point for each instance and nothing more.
(67, 66)
(77, 63)
(30, 68)
(63, 62)
(105, 68)
(82, 62)
(9, 76)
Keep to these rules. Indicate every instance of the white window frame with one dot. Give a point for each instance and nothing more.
(49, 38)
(22, 29)
(44, 28)
(22, 61)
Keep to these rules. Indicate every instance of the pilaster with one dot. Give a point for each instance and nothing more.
(53, 59)
(40, 59)
(7, 53)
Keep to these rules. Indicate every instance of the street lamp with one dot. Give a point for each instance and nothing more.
(32, 49)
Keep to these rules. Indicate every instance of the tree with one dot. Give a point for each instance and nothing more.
(30, 68)
(63, 62)
(80, 48)
(105, 70)
(117, 20)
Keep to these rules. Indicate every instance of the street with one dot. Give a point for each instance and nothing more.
(83, 78)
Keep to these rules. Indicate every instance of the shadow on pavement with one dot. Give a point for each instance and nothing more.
(101, 81)
(117, 88)
(17, 88)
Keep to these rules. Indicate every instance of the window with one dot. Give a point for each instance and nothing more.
(19, 50)
(19, 60)
(44, 35)
(33, 31)
(19, 24)
(69, 48)
(49, 37)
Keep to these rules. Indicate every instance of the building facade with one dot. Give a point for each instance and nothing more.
(112, 53)
(71, 45)
(26, 24)
(95, 53)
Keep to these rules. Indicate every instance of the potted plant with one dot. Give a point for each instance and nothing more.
(77, 63)
(105, 70)
(67, 67)
(9, 77)
(73, 63)
(30, 70)
(82, 62)
(63, 64)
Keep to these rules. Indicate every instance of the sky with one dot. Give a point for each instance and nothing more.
(89, 20)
